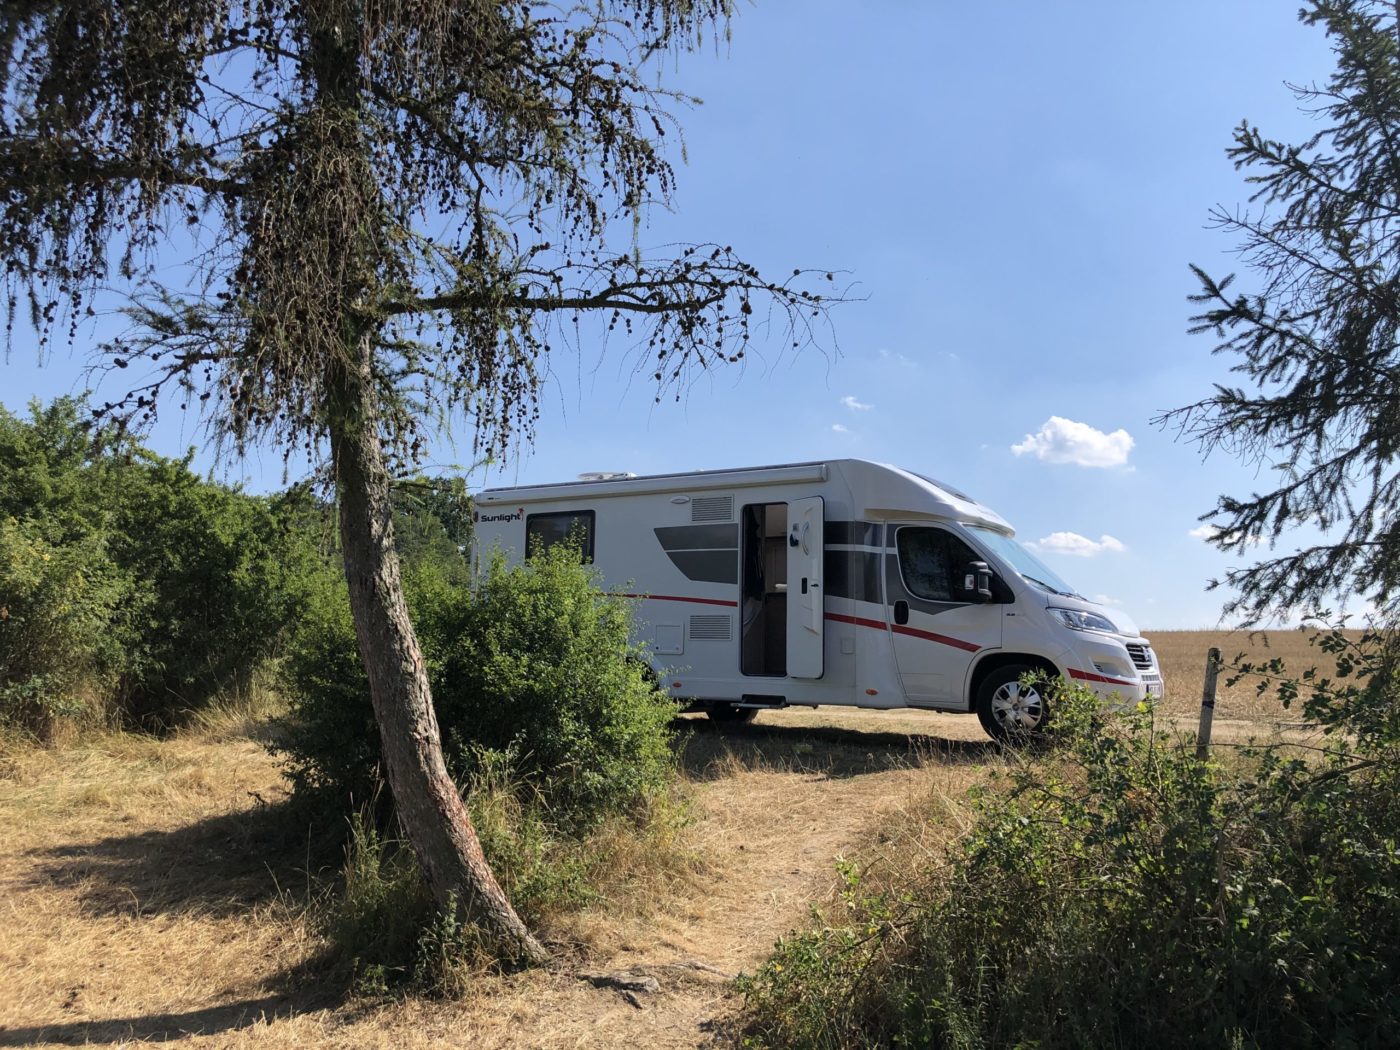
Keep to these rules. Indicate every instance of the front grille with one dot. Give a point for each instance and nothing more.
(1141, 656)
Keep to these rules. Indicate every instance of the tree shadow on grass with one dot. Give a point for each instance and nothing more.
(225, 867)
(220, 866)
(708, 750)
(173, 1025)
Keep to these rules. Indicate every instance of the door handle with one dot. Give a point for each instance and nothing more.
(901, 612)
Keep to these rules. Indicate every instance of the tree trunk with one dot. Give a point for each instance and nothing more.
(425, 797)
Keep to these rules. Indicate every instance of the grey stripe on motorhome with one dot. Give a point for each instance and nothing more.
(720, 566)
(853, 574)
(704, 553)
(708, 554)
(698, 537)
(854, 533)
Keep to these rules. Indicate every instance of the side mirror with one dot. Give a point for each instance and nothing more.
(978, 580)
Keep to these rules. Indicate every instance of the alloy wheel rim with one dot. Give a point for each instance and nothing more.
(1018, 707)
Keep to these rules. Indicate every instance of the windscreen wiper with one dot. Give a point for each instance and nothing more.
(1052, 590)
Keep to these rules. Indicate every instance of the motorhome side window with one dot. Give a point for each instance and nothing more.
(933, 562)
(543, 531)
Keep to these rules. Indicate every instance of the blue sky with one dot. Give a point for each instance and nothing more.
(1016, 191)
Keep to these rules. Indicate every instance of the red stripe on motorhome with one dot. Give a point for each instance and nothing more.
(679, 598)
(1087, 676)
(912, 632)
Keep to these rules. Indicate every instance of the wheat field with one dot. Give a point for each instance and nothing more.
(1182, 655)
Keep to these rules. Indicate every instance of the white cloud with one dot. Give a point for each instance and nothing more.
(1079, 546)
(854, 405)
(1061, 440)
(897, 358)
(1104, 599)
(839, 428)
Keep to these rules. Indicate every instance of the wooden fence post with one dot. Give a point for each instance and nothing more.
(1207, 704)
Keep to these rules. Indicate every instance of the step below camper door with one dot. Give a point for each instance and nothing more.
(806, 618)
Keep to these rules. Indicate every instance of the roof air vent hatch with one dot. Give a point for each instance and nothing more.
(606, 475)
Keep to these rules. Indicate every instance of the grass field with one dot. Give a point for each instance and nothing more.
(158, 891)
(152, 892)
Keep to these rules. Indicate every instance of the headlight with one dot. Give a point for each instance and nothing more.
(1083, 621)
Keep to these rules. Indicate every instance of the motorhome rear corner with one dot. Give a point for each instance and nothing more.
(841, 582)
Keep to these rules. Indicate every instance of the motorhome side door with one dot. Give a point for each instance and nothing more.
(806, 620)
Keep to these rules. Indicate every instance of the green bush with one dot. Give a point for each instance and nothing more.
(134, 582)
(1120, 892)
(376, 919)
(536, 667)
(57, 604)
(329, 740)
(222, 577)
(543, 669)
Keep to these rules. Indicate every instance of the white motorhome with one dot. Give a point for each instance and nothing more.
(841, 582)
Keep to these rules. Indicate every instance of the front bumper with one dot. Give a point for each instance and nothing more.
(1111, 666)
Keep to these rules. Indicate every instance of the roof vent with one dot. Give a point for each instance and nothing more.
(606, 475)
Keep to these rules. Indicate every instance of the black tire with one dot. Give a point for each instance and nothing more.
(730, 715)
(648, 672)
(1012, 710)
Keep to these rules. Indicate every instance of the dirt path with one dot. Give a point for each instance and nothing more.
(779, 802)
(136, 904)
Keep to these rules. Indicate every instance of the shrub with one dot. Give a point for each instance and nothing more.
(543, 669)
(134, 580)
(57, 604)
(376, 919)
(534, 670)
(221, 579)
(1121, 892)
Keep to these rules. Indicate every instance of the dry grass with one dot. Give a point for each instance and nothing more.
(157, 891)
(137, 879)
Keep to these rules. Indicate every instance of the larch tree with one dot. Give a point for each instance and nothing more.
(334, 220)
(1319, 338)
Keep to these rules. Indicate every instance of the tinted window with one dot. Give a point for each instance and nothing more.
(543, 531)
(933, 563)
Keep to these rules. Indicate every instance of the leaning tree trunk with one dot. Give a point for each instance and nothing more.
(425, 797)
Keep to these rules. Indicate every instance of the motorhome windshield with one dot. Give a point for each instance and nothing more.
(1031, 568)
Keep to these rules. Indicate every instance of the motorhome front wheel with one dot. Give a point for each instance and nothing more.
(1009, 707)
